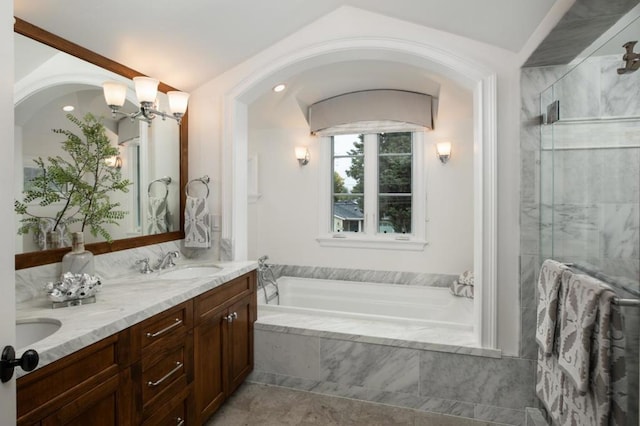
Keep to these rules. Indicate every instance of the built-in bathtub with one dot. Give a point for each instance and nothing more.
(386, 311)
(410, 346)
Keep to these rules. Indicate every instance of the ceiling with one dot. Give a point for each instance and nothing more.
(186, 44)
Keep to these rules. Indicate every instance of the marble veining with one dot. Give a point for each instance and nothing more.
(364, 275)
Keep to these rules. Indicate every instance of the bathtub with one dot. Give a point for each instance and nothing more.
(385, 311)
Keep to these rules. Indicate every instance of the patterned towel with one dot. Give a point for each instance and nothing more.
(463, 286)
(157, 216)
(578, 319)
(548, 288)
(606, 402)
(196, 223)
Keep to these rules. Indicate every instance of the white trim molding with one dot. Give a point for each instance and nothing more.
(464, 70)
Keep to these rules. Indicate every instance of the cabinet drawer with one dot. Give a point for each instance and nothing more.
(158, 373)
(225, 295)
(173, 413)
(171, 322)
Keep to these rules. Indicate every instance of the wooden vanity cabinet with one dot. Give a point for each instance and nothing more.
(175, 368)
(89, 387)
(223, 342)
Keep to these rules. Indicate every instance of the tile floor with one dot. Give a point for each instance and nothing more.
(263, 405)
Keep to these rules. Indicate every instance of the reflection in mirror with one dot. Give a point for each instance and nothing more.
(49, 84)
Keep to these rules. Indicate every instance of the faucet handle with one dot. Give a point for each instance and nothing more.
(172, 255)
(146, 269)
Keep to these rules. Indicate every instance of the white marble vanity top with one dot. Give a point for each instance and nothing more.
(121, 303)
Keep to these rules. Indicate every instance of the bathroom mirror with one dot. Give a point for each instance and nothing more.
(52, 73)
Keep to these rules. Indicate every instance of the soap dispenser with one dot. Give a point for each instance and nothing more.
(78, 260)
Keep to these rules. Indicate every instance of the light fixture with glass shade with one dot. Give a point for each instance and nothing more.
(115, 94)
(443, 149)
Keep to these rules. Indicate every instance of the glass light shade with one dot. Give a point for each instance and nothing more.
(301, 152)
(178, 102)
(114, 93)
(146, 89)
(444, 149)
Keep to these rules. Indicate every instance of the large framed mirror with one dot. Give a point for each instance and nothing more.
(51, 73)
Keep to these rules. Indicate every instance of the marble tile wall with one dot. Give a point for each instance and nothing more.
(485, 388)
(363, 275)
(30, 281)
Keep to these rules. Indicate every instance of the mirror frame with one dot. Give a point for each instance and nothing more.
(27, 260)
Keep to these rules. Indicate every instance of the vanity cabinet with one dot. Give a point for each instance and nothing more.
(175, 368)
(92, 386)
(223, 342)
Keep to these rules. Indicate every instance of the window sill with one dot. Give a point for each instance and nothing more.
(380, 243)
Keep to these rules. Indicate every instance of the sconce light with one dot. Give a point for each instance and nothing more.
(146, 90)
(444, 151)
(302, 154)
(115, 162)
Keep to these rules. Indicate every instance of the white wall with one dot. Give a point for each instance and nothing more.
(7, 229)
(207, 111)
(283, 223)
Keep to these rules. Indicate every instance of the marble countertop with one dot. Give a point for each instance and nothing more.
(121, 303)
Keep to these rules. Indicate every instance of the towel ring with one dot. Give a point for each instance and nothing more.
(166, 180)
(203, 180)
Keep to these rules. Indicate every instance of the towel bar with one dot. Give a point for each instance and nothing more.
(607, 282)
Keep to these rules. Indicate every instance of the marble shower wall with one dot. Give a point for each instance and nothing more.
(593, 157)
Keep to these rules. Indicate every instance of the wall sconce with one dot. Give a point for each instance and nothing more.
(146, 91)
(302, 154)
(444, 151)
(115, 162)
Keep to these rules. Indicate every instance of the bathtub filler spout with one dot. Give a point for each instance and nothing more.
(267, 281)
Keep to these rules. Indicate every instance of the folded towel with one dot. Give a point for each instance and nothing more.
(548, 288)
(578, 318)
(157, 216)
(196, 223)
(461, 290)
(466, 278)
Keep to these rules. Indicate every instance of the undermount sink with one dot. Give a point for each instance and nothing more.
(33, 330)
(189, 272)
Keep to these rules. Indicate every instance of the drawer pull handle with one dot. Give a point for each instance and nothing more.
(231, 317)
(166, 376)
(164, 330)
(180, 421)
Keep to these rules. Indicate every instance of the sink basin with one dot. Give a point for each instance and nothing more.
(33, 330)
(190, 272)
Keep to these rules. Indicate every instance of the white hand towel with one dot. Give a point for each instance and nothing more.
(196, 223)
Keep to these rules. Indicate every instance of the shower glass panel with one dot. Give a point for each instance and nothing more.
(590, 177)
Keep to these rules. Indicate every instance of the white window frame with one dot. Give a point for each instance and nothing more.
(371, 239)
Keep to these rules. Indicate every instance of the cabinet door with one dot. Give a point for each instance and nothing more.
(240, 343)
(209, 363)
(103, 405)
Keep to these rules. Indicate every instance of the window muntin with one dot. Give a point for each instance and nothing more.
(372, 178)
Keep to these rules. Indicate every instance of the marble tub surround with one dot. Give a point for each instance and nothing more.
(364, 275)
(123, 301)
(471, 386)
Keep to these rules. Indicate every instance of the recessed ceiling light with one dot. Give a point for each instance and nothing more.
(68, 108)
(279, 88)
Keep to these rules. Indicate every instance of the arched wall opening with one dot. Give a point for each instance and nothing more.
(473, 76)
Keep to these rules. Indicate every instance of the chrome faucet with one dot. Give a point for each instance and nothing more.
(167, 260)
(145, 269)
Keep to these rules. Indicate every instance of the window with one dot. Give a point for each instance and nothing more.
(375, 179)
